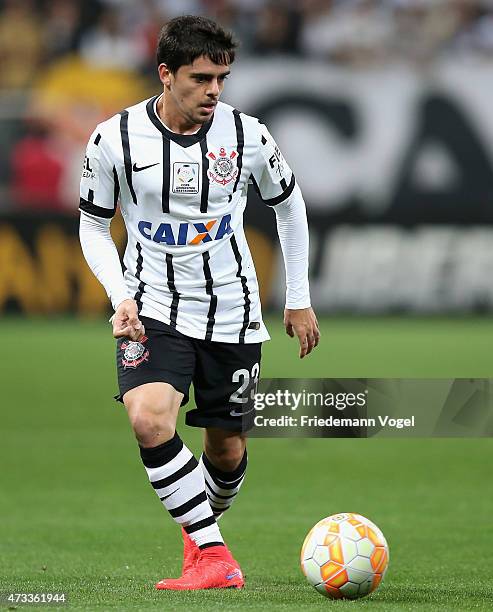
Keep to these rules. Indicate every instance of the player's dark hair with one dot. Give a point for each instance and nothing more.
(183, 39)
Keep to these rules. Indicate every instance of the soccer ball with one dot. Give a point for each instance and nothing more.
(345, 556)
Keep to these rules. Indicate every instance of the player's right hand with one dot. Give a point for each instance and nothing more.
(126, 321)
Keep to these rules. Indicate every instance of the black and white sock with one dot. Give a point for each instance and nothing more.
(222, 487)
(179, 483)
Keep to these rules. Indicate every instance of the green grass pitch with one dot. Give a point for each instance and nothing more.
(77, 514)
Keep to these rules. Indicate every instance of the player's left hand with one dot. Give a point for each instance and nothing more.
(302, 323)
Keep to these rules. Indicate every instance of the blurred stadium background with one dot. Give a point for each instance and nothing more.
(383, 109)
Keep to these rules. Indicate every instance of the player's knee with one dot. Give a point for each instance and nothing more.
(151, 430)
(152, 425)
(226, 458)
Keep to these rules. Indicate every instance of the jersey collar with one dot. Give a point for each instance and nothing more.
(184, 140)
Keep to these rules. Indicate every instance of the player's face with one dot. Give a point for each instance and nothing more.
(195, 88)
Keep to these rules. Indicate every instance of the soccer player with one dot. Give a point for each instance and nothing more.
(187, 306)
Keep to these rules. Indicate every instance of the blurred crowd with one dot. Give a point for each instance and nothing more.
(66, 64)
(123, 33)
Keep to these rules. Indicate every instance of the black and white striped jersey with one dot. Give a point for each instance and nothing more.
(182, 198)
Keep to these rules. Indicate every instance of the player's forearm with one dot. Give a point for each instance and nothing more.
(102, 257)
(292, 228)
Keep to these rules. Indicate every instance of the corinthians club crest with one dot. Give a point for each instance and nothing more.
(134, 353)
(222, 168)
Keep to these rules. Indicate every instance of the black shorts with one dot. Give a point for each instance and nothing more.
(224, 375)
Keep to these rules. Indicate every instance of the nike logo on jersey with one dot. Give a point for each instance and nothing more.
(137, 169)
(190, 234)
